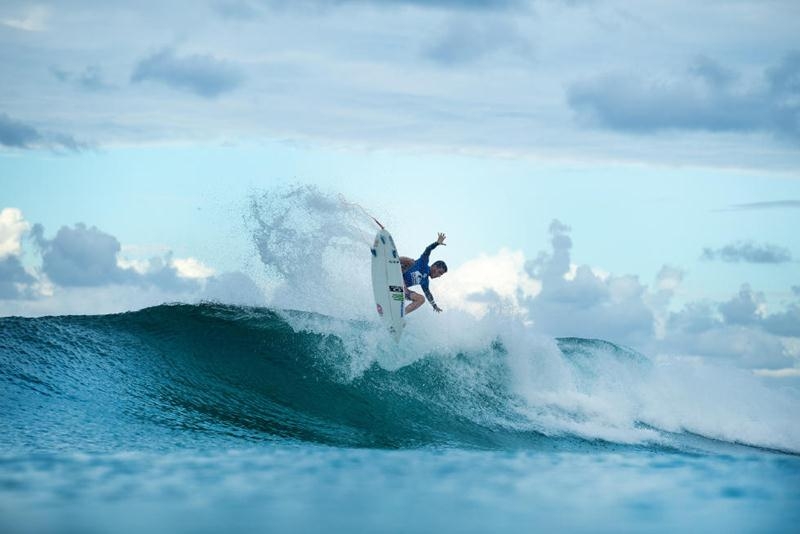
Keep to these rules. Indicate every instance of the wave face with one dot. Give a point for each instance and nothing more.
(204, 375)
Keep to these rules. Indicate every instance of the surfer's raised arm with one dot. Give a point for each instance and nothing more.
(426, 254)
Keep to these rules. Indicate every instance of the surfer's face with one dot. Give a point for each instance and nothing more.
(436, 272)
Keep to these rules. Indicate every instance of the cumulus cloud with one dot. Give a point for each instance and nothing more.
(586, 304)
(748, 252)
(15, 281)
(667, 282)
(487, 282)
(12, 227)
(82, 256)
(748, 307)
(739, 329)
(705, 100)
(83, 269)
(786, 323)
(565, 299)
(17, 134)
(203, 75)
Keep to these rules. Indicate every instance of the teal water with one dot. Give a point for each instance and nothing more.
(199, 418)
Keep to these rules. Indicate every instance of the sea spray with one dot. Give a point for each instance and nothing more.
(316, 247)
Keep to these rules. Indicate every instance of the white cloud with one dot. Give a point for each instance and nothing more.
(140, 266)
(485, 281)
(192, 268)
(12, 227)
(573, 272)
(33, 19)
(565, 299)
(779, 373)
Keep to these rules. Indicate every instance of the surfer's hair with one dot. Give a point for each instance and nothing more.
(440, 264)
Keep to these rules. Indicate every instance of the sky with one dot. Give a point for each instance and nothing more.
(627, 171)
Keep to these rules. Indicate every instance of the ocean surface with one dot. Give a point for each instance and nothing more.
(210, 418)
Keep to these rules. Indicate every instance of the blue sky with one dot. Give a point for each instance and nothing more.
(664, 139)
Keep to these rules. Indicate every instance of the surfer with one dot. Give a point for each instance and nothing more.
(418, 272)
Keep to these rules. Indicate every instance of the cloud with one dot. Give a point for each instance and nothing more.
(487, 282)
(17, 134)
(667, 282)
(746, 308)
(563, 299)
(468, 39)
(90, 79)
(713, 72)
(706, 100)
(84, 256)
(786, 323)
(202, 75)
(192, 268)
(585, 303)
(748, 346)
(34, 19)
(779, 373)
(240, 10)
(748, 252)
(12, 227)
(774, 204)
(460, 5)
(15, 281)
(81, 256)
(82, 270)
(738, 329)
(784, 78)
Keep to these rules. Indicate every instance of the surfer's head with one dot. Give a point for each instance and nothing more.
(438, 269)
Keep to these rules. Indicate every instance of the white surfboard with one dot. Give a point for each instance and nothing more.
(387, 283)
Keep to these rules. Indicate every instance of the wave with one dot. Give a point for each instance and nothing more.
(183, 375)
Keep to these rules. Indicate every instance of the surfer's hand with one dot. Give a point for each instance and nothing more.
(437, 309)
(441, 239)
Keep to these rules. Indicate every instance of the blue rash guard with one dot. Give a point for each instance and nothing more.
(418, 273)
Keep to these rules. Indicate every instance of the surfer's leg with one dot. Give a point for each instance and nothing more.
(416, 301)
(405, 263)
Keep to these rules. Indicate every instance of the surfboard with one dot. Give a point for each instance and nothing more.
(387, 283)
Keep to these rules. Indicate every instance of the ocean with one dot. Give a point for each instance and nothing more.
(210, 417)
